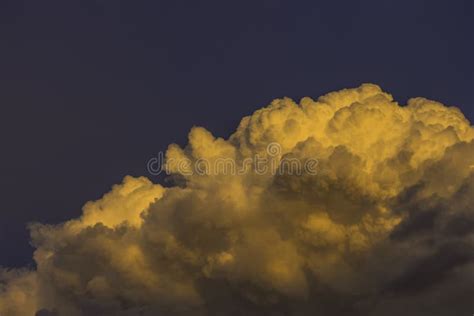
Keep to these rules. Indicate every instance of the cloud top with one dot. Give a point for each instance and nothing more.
(386, 225)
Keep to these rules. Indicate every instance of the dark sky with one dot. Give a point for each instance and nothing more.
(90, 90)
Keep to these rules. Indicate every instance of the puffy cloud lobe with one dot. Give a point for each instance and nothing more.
(386, 225)
(19, 289)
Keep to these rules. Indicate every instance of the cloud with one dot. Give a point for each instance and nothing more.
(386, 225)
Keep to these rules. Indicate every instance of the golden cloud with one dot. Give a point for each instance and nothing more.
(386, 225)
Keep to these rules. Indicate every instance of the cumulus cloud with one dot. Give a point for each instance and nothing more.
(385, 227)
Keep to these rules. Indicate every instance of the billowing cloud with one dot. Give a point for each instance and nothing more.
(384, 227)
